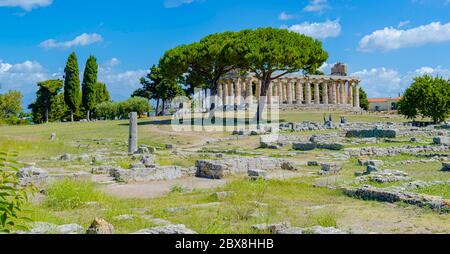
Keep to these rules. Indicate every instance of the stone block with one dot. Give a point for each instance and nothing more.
(305, 146)
(441, 140)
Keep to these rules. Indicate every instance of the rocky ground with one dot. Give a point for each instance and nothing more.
(306, 178)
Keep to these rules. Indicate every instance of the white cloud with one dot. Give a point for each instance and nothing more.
(81, 40)
(318, 30)
(176, 3)
(385, 82)
(27, 5)
(391, 38)
(121, 84)
(317, 6)
(113, 62)
(285, 16)
(22, 77)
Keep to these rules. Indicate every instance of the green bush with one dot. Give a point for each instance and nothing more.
(111, 110)
(70, 194)
(12, 195)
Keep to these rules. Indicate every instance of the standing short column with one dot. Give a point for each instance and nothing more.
(325, 92)
(133, 132)
(350, 93)
(231, 92)
(316, 92)
(308, 93)
(299, 92)
(357, 102)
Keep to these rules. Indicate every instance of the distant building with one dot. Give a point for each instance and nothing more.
(383, 104)
(339, 69)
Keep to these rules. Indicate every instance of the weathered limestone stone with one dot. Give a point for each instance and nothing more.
(317, 230)
(257, 173)
(392, 151)
(288, 166)
(53, 136)
(65, 157)
(330, 146)
(441, 140)
(44, 228)
(329, 168)
(143, 174)
(133, 132)
(392, 196)
(143, 150)
(306, 146)
(385, 176)
(375, 163)
(166, 230)
(100, 227)
(103, 170)
(170, 146)
(217, 169)
(446, 166)
(372, 133)
(271, 228)
(313, 163)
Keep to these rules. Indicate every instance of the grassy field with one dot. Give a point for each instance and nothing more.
(295, 200)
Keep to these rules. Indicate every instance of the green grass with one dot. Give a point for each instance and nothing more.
(70, 194)
(442, 190)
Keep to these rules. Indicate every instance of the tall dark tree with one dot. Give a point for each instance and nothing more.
(89, 85)
(363, 99)
(45, 98)
(72, 92)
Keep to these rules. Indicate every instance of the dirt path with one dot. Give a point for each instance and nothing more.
(160, 188)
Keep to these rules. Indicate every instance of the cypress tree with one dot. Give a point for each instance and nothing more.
(89, 85)
(102, 94)
(72, 93)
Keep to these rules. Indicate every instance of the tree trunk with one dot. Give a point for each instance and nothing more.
(46, 115)
(157, 107)
(163, 107)
(262, 100)
(71, 115)
(88, 116)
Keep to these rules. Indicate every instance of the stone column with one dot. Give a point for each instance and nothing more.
(231, 92)
(280, 91)
(220, 91)
(316, 92)
(308, 92)
(342, 92)
(238, 91)
(250, 89)
(133, 132)
(226, 90)
(350, 93)
(325, 92)
(299, 92)
(357, 103)
(335, 92)
(289, 91)
(344, 89)
(276, 88)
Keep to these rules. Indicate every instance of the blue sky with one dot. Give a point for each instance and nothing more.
(384, 42)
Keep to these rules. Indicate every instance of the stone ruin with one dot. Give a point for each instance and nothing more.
(218, 169)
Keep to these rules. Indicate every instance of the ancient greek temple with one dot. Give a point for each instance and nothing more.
(295, 90)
